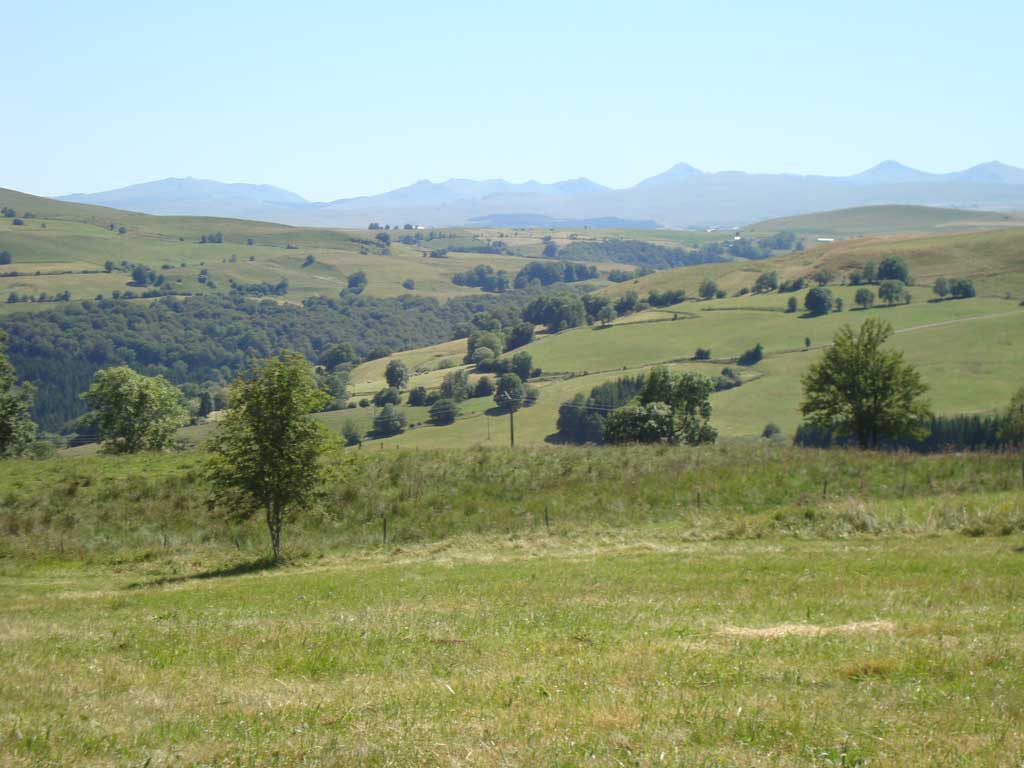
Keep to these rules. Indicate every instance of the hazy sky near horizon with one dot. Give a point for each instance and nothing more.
(334, 100)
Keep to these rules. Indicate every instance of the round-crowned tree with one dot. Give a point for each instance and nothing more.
(894, 268)
(892, 291)
(864, 298)
(511, 392)
(818, 301)
(390, 421)
(444, 411)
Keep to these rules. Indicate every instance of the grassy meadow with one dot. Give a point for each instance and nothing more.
(937, 337)
(65, 247)
(733, 605)
(886, 220)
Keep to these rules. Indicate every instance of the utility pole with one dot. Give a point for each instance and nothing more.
(507, 399)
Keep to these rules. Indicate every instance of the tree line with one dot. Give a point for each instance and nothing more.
(207, 340)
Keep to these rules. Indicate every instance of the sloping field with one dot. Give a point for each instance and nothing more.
(885, 220)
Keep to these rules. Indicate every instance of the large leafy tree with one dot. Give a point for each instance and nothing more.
(858, 388)
(818, 301)
(266, 454)
(674, 409)
(16, 427)
(650, 423)
(511, 393)
(396, 374)
(133, 412)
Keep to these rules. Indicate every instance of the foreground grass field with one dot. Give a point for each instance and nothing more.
(643, 652)
(728, 606)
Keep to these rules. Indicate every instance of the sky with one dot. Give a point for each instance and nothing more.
(337, 99)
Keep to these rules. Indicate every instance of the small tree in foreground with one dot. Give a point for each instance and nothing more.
(265, 455)
(133, 412)
(857, 388)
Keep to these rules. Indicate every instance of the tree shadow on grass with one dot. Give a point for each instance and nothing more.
(238, 569)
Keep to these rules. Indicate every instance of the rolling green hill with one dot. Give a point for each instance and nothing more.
(971, 352)
(68, 245)
(885, 220)
(65, 246)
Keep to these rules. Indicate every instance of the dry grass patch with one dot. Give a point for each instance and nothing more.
(807, 630)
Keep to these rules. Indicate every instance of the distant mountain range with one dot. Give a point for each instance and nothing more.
(682, 196)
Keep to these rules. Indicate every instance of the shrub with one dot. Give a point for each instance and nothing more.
(444, 411)
(823, 276)
(752, 356)
(417, 396)
(386, 396)
(390, 421)
(766, 281)
(962, 289)
(484, 387)
(352, 434)
(455, 386)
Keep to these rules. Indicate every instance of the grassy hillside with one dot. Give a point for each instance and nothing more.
(533, 607)
(940, 338)
(65, 247)
(885, 220)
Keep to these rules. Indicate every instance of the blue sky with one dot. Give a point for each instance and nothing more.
(336, 99)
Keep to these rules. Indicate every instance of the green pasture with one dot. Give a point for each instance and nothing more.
(743, 606)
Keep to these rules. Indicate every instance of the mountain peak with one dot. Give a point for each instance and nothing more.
(677, 172)
(890, 172)
(992, 172)
(682, 169)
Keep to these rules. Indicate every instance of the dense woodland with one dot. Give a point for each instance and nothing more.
(937, 434)
(642, 254)
(208, 339)
(582, 419)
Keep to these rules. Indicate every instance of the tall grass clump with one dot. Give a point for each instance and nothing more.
(104, 506)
